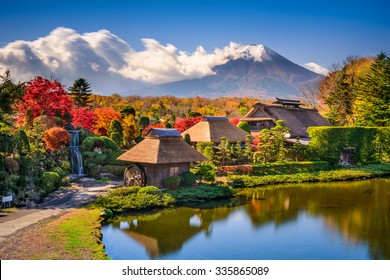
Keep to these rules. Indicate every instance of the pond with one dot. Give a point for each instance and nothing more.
(339, 220)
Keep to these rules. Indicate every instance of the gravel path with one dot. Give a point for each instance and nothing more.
(83, 192)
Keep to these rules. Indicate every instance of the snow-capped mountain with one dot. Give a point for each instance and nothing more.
(254, 70)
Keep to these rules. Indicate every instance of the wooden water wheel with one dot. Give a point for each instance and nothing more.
(134, 175)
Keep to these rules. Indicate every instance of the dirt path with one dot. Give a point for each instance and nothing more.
(85, 191)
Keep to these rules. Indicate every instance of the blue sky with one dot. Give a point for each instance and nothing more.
(322, 32)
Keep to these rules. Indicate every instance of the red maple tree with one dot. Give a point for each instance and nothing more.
(234, 121)
(183, 124)
(44, 97)
(149, 127)
(82, 116)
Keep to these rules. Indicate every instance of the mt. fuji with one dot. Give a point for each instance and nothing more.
(254, 71)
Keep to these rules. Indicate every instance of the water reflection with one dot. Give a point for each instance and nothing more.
(328, 221)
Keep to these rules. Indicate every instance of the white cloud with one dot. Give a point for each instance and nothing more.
(110, 64)
(316, 68)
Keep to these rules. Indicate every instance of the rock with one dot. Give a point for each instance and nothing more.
(87, 180)
(35, 198)
(31, 204)
(108, 176)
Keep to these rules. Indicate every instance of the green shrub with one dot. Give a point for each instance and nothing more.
(123, 191)
(65, 165)
(150, 190)
(114, 169)
(244, 126)
(108, 143)
(126, 199)
(205, 172)
(91, 142)
(112, 158)
(49, 182)
(191, 195)
(116, 138)
(3, 175)
(200, 146)
(88, 155)
(172, 182)
(188, 178)
(59, 171)
(99, 159)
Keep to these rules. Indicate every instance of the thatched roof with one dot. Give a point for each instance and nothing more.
(162, 146)
(296, 118)
(211, 129)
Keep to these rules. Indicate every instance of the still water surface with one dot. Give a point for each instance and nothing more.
(343, 220)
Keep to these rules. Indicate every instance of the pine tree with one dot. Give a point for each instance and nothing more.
(116, 132)
(248, 151)
(374, 94)
(81, 91)
(278, 134)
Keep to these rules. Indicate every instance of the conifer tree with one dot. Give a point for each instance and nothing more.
(374, 94)
(81, 91)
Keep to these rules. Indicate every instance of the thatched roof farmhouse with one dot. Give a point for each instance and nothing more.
(296, 117)
(162, 153)
(212, 129)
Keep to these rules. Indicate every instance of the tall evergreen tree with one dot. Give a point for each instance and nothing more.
(373, 102)
(9, 94)
(81, 91)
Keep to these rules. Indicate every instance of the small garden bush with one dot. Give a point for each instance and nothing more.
(49, 182)
(188, 178)
(172, 182)
(246, 169)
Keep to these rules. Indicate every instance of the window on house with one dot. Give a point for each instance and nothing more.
(173, 170)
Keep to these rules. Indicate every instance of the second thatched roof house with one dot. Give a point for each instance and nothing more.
(212, 129)
(161, 154)
(296, 117)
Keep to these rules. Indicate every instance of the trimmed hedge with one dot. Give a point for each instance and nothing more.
(192, 195)
(289, 167)
(372, 143)
(365, 172)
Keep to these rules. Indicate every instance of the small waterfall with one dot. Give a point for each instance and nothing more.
(76, 159)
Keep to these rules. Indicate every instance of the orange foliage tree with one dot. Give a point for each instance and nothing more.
(55, 138)
(103, 118)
